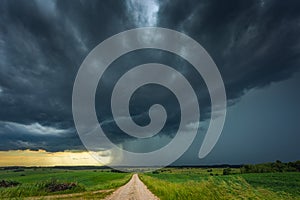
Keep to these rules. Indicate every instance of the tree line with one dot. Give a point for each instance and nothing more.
(277, 166)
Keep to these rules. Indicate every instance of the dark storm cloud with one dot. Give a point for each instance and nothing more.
(42, 44)
(253, 43)
(35, 136)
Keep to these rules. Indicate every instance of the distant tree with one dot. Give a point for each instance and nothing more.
(297, 165)
(279, 166)
(227, 171)
(247, 169)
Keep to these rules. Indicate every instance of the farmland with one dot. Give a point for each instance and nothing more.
(165, 183)
(211, 184)
(38, 181)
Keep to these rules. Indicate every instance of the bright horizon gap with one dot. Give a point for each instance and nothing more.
(43, 158)
(68, 158)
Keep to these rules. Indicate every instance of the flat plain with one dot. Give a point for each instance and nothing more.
(166, 183)
(212, 184)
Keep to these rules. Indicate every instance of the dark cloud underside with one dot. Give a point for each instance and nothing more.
(42, 44)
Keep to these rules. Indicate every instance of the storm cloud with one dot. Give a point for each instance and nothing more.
(43, 43)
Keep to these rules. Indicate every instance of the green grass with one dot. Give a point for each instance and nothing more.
(167, 183)
(211, 188)
(32, 179)
(288, 182)
(200, 184)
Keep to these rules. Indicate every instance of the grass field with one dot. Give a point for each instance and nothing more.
(33, 181)
(167, 183)
(211, 184)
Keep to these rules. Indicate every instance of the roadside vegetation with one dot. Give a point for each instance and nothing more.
(274, 181)
(211, 188)
(49, 181)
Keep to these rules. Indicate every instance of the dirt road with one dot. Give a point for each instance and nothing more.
(135, 189)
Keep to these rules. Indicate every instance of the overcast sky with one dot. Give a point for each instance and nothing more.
(255, 44)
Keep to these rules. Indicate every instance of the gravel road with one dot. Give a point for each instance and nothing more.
(135, 189)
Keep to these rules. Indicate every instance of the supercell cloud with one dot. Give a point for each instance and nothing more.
(255, 44)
